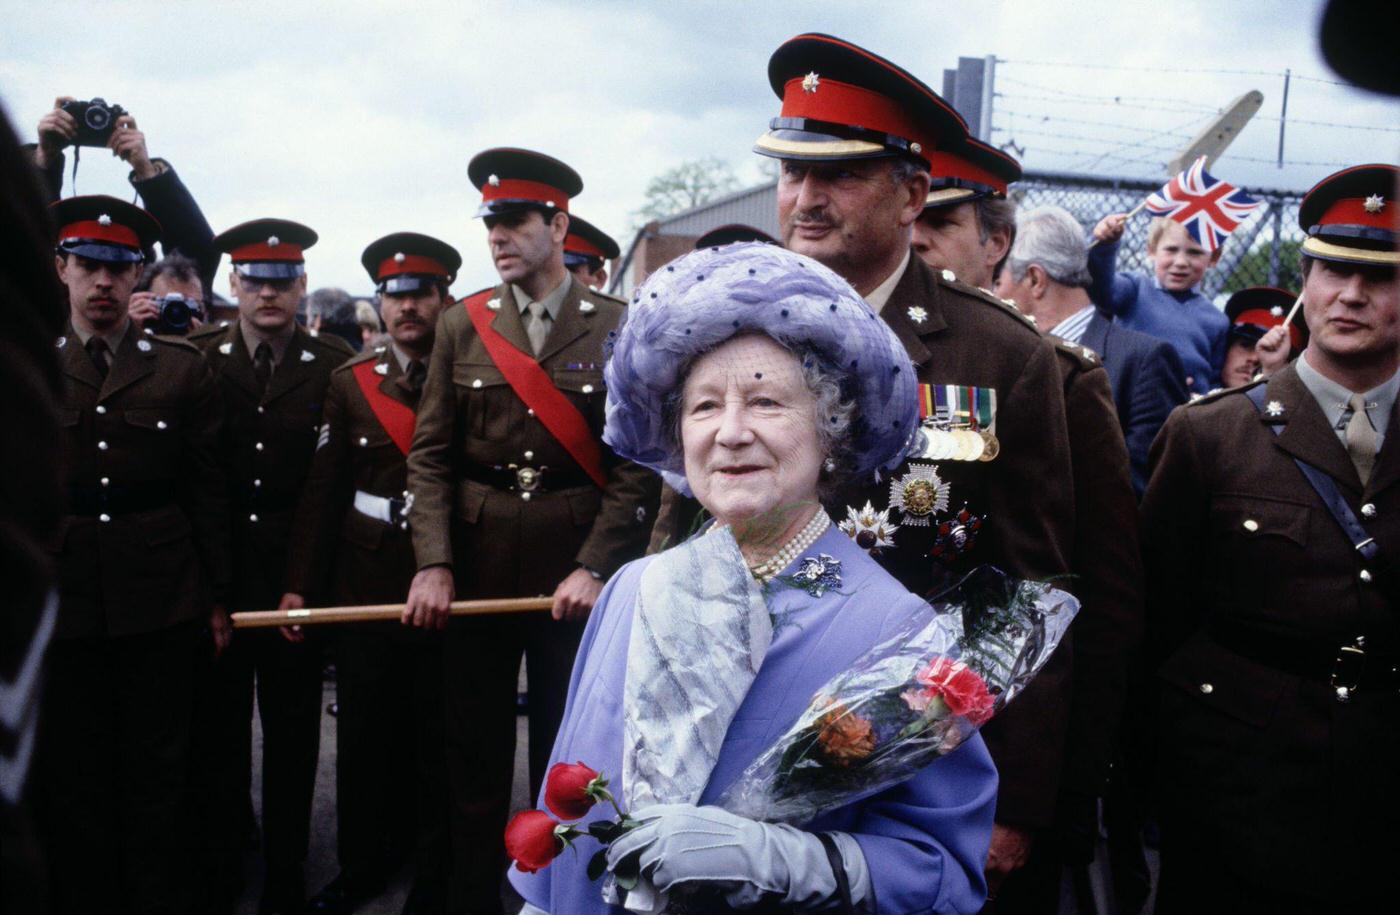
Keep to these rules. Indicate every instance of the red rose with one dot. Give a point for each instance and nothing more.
(566, 790)
(960, 688)
(531, 840)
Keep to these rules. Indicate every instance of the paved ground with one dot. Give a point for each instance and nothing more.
(321, 861)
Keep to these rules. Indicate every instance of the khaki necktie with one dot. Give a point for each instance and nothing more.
(540, 322)
(415, 375)
(1361, 438)
(262, 365)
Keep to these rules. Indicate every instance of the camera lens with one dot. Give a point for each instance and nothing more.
(97, 117)
(175, 313)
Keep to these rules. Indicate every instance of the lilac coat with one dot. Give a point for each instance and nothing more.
(925, 841)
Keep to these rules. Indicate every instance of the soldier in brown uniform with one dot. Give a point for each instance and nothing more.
(273, 377)
(969, 226)
(352, 546)
(515, 495)
(1272, 536)
(587, 250)
(142, 558)
(856, 137)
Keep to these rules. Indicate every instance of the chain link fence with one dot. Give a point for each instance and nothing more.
(1263, 251)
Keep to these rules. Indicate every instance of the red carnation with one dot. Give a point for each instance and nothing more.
(531, 840)
(960, 688)
(571, 790)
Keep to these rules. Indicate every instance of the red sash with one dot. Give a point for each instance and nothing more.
(397, 419)
(533, 385)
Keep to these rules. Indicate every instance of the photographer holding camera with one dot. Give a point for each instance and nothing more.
(97, 124)
(169, 297)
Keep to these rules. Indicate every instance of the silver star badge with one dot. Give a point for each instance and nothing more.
(104, 220)
(810, 82)
(918, 315)
(143, 345)
(1374, 204)
(273, 241)
(494, 181)
(381, 369)
(307, 356)
(226, 348)
(1276, 311)
(585, 308)
(1273, 409)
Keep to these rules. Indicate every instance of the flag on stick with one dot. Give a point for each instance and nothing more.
(1209, 208)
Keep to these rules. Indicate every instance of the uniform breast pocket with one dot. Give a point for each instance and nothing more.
(486, 400)
(585, 389)
(154, 431)
(1257, 542)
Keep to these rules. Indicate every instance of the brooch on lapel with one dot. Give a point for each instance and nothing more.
(308, 356)
(870, 529)
(817, 574)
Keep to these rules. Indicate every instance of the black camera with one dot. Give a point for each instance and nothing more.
(96, 121)
(176, 316)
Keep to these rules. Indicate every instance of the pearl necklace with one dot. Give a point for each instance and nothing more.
(766, 570)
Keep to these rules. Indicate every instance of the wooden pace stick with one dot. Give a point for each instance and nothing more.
(252, 619)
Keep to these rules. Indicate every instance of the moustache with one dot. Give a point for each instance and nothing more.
(813, 218)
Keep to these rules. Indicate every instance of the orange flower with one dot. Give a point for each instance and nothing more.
(845, 737)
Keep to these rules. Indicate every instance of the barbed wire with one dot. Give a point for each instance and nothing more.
(1080, 65)
(1014, 132)
(1083, 122)
(1169, 106)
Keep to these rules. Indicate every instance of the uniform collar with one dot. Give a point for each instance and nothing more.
(114, 338)
(881, 293)
(251, 339)
(403, 358)
(551, 302)
(1333, 397)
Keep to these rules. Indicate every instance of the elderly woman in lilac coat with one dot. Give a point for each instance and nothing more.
(753, 378)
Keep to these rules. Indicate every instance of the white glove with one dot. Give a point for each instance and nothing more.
(683, 845)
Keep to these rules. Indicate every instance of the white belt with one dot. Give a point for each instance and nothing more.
(381, 508)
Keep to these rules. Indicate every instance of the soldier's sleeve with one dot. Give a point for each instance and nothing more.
(430, 459)
(624, 521)
(1108, 568)
(1159, 386)
(324, 500)
(1175, 537)
(676, 519)
(1031, 512)
(204, 485)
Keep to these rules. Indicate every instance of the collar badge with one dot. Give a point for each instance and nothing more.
(143, 345)
(917, 314)
(585, 308)
(307, 356)
(382, 368)
(226, 348)
(1273, 409)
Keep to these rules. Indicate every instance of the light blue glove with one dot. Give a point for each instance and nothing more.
(683, 845)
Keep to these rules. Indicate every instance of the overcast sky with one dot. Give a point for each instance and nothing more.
(358, 118)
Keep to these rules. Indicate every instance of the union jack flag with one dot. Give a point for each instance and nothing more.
(1209, 208)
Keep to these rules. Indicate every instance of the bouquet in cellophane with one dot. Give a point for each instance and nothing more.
(909, 700)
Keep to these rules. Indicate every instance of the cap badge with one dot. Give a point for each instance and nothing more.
(1374, 204)
(919, 494)
(226, 348)
(399, 258)
(273, 241)
(382, 368)
(916, 148)
(1273, 409)
(810, 82)
(585, 308)
(494, 181)
(871, 530)
(307, 356)
(917, 314)
(104, 220)
(143, 345)
(1276, 311)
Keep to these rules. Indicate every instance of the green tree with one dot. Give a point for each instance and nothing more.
(1253, 268)
(687, 186)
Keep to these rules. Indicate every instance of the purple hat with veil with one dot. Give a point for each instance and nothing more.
(699, 301)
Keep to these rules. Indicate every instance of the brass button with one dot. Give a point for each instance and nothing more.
(1251, 525)
(363, 441)
(1366, 576)
(525, 497)
(258, 446)
(101, 446)
(587, 389)
(529, 455)
(160, 424)
(106, 481)
(253, 518)
(1368, 510)
(476, 382)
(1207, 688)
(104, 517)
(262, 409)
(101, 409)
(529, 411)
(257, 484)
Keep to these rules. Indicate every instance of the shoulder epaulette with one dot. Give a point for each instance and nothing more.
(174, 342)
(1087, 358)
(609, 297)
(208, 330)
(333, 343)
(1215, 394)
(368, 355)
(948, 279)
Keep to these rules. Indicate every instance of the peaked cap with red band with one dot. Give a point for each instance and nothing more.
(732, 233)
(514, 179)
(840, 101)
(1353, 216)
(970, 170)
(267, 248)
(1259, 309)
(103, 228)
(408, 261)
(587, 241)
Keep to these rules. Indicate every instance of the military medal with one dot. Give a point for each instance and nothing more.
(958, 423)
(957, 535)
(870, 529)
(919, 494)
(990, 446)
